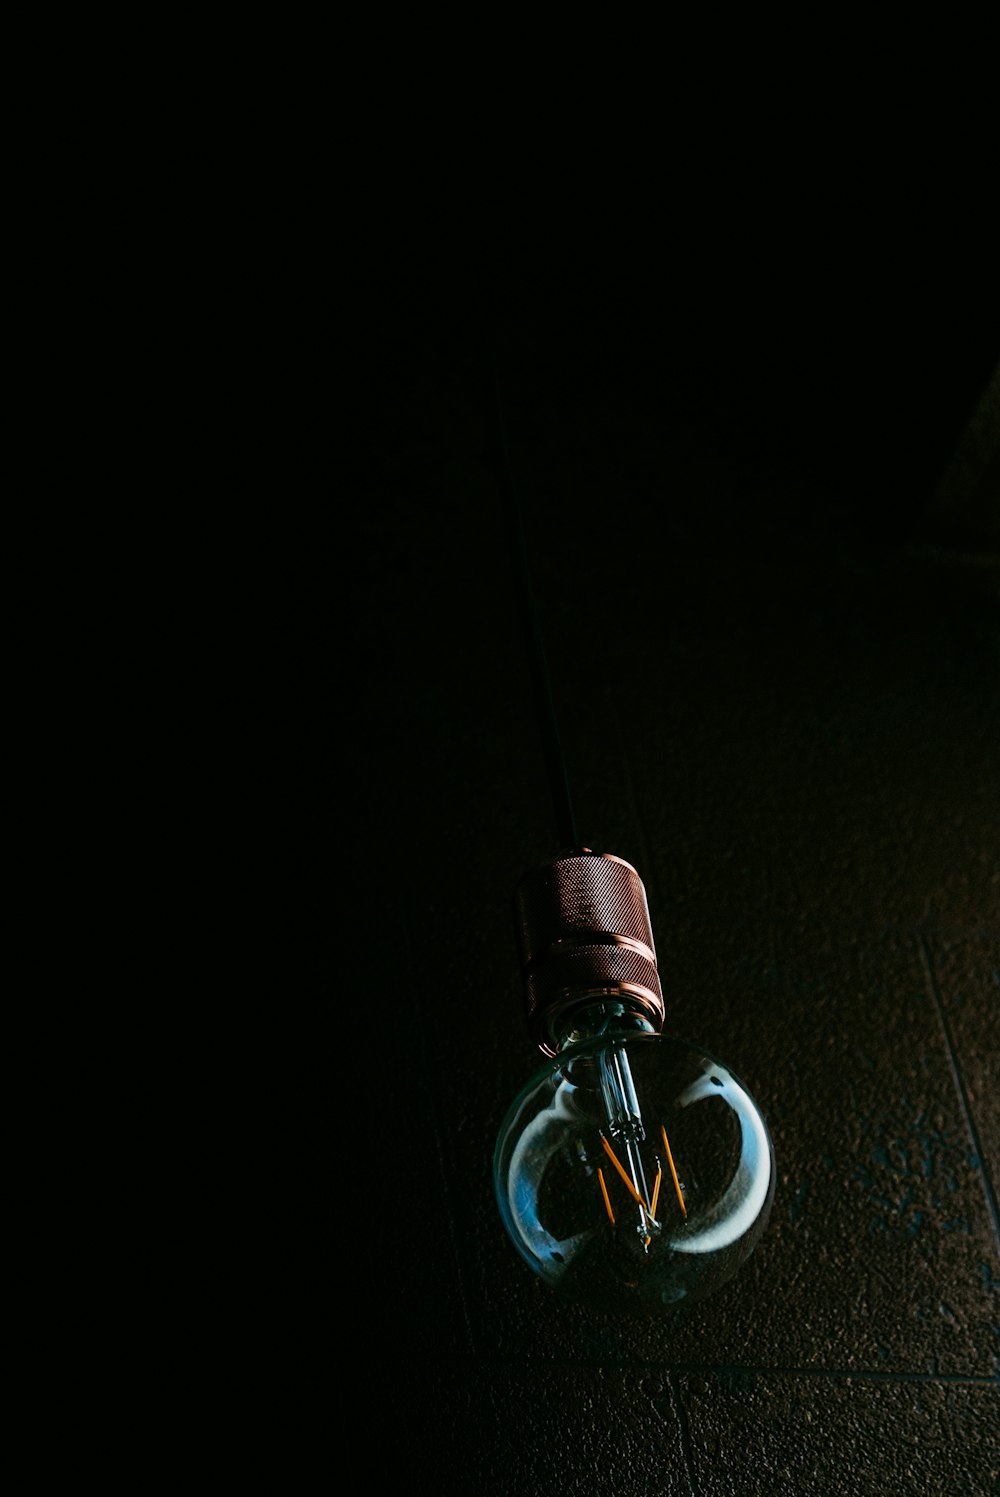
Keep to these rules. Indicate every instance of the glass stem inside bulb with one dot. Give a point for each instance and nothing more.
(621, 1105)
(624, 1120)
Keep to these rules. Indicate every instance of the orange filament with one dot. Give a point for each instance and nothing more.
(604, 1193)
(670, 1161)
(656, 1190)
(628, 1183)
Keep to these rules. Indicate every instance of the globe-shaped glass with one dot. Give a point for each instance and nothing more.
(634, 1171)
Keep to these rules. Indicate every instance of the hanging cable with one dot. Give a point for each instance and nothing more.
(538, 665)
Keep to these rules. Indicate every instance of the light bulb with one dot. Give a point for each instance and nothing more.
(634, 1171)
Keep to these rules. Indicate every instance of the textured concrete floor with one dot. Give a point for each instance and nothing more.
(785, 712)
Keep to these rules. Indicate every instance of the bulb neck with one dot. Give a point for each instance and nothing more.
(605, 1019)
(586, 946)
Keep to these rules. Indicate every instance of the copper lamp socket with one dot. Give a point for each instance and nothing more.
(583, 933)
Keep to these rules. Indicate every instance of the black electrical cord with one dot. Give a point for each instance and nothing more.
(538, 665)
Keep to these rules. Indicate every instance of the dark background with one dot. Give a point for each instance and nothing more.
(765, 566)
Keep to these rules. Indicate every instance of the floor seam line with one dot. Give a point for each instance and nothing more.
(959, 1081)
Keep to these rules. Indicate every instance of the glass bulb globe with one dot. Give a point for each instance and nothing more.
(634, 1171)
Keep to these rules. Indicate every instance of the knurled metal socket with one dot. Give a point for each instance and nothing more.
(583, 932)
